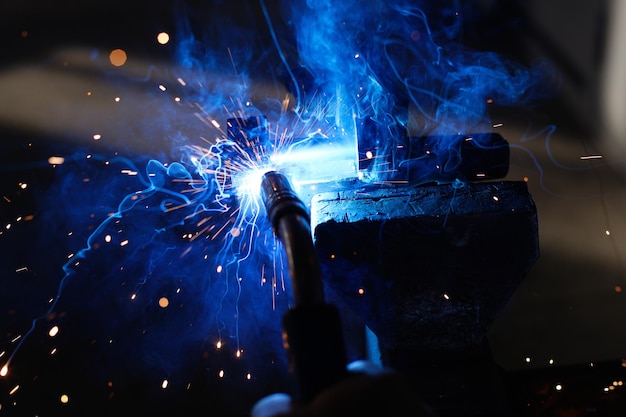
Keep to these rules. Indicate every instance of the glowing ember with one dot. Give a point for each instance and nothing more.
(163, 38)
(118, 57)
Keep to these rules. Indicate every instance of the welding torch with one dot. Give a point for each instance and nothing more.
(312, 333)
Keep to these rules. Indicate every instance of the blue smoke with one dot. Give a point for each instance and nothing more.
(176, 268)
(401, 69)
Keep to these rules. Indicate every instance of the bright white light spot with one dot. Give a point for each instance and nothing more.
(215, 123)
(4, 371)
(551, 361)
(56, 160)
(164, 384)
(162, 87)
(218, 345)
(608, 232)
(163, 38)
(53, 331)
(249, 182)
(219, 269)
(495, 198)
(221, 373)
(107, 238)
(527, 359)
(117, 99)
(446, 296)
(65, 399)
(369, 155)
(124, 242)
(248, 376)
(14, 390)
(558, 387)
(97, 136)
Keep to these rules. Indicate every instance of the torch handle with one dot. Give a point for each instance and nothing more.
(313, 340)
(312, 333)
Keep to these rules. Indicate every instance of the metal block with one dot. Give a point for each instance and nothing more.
(426, 268)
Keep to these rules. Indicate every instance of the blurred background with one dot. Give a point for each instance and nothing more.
(560, 336)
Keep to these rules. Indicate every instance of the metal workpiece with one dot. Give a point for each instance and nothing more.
(426, 271)
(427, 268)
(442, 158)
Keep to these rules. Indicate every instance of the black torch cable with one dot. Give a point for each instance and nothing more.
(291, 223)
(312, 332)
